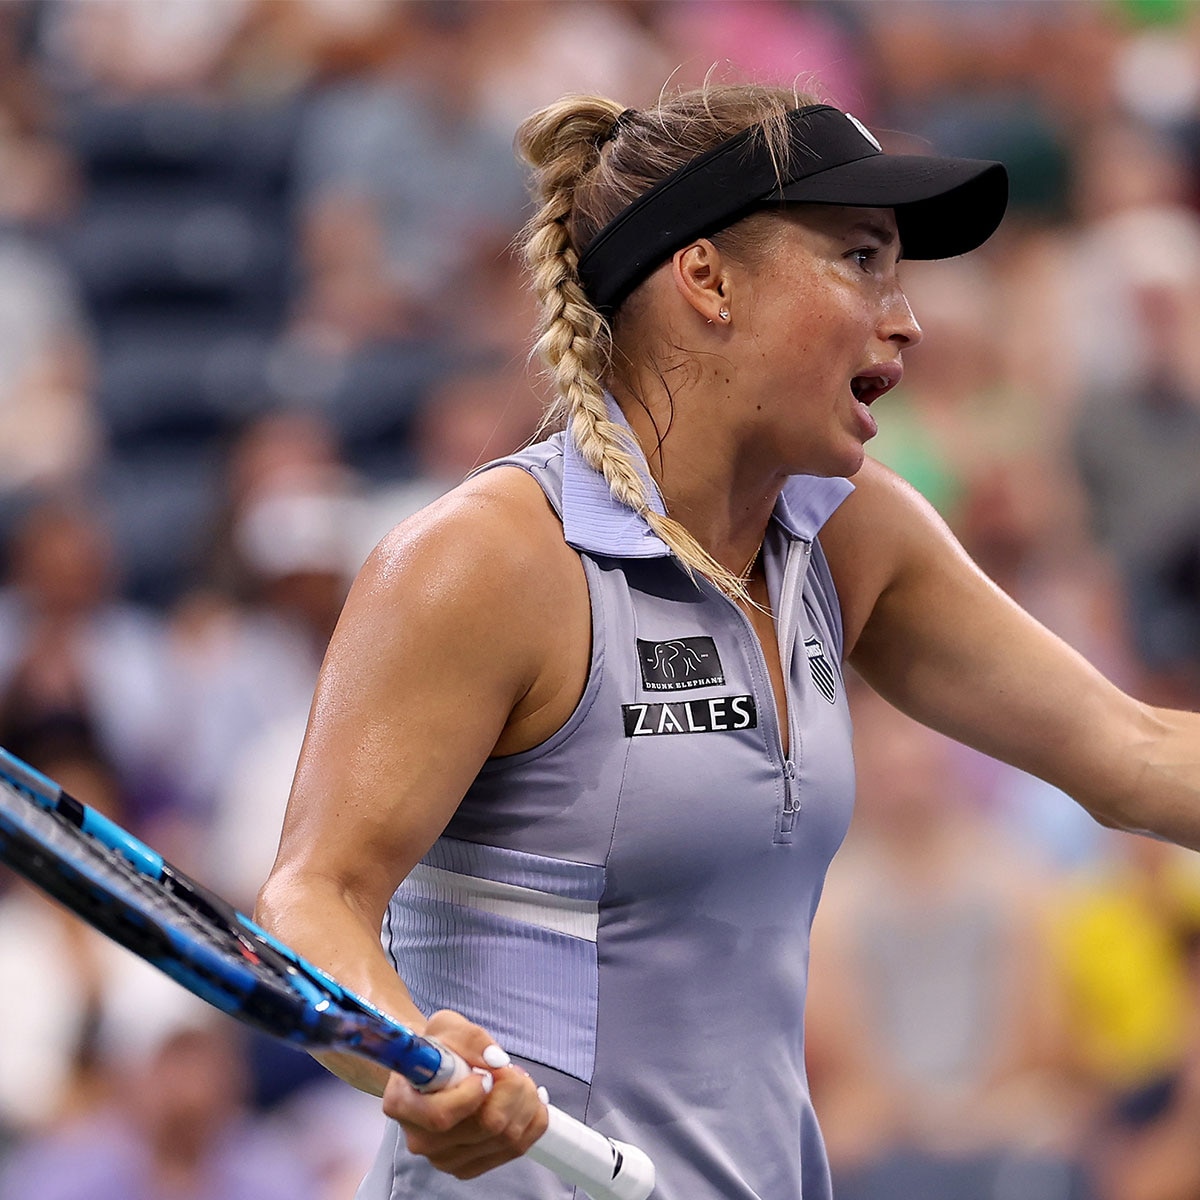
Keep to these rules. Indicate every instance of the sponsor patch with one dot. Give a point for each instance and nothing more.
(823, 673)
(688, 662)
(718, 714)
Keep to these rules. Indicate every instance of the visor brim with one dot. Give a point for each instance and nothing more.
(944, 206)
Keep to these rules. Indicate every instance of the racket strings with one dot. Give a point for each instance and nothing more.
(194, 937)
(44, 845)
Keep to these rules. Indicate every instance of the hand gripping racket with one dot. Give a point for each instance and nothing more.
(129, 893)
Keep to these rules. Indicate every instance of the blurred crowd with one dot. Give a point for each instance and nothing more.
(258, 303)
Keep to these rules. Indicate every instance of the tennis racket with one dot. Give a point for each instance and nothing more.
(131, 894)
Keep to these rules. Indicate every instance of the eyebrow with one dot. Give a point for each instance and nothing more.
(885, 235)
(882, 232)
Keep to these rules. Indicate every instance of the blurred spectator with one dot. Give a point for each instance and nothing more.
(1146, 1148)
(403, 187)
(1119, 935)
(285, 46)
(1157, 68)
(968, 79)
(949, 419)
(1134, 228)
(173, 1123)
(932, 1010)
(39, 184)
(54, 971)
(340, 1130)
(520, 56)
(773, 42)
(74, 654)
(137, 47)
(1138, 443)
(49, 430)
(248, 644)
(474, 415)
(281, 540)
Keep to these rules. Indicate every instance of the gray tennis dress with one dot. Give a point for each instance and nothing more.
(627, 906)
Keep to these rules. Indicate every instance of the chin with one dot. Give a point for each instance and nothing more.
(858, 458)
(842, 455)
(841, 464)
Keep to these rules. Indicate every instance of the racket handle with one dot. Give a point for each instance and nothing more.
(604, 1168)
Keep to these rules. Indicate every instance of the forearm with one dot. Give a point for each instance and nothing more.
(320, 922)
(1159, 793)
(1010, 688)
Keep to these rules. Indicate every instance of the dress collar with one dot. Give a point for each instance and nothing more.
(596, 522)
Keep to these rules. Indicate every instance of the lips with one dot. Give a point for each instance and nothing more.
(867, 386)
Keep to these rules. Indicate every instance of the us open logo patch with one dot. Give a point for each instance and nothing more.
(823, 674)
(689, 662)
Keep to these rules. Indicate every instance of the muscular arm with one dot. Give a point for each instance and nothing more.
(456, 639)
(934, 636)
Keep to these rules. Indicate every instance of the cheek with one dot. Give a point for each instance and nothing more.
(818, 316)
(809, 338)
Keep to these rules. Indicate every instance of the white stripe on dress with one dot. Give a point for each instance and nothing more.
(563, 914)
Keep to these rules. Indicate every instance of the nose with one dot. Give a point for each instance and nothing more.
(899, 326)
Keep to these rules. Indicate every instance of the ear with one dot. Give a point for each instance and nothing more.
(700, 275)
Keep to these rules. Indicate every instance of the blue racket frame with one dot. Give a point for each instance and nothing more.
(131, 894)
(305, 1006)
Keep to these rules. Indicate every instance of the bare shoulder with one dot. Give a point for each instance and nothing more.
(492, 526)
(490, 550)
(883, 527)
(484, 573)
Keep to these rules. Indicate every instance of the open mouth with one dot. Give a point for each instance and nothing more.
(868, 387)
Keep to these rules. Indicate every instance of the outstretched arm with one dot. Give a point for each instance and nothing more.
(932, 634)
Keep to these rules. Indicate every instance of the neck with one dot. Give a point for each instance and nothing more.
(710, 484)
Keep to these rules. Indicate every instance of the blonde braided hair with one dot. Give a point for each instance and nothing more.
(591, 157)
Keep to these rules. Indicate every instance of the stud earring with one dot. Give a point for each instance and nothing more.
(724, 314)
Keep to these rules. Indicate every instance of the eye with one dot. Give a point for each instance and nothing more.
(864, 256)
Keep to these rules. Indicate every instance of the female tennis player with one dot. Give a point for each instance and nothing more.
(580, 746)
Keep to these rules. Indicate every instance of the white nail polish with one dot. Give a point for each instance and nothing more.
(485, 1079)
(543, 1095)
(495, 1057)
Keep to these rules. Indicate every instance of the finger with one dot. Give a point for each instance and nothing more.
(504, 1143)
(508, 1122)
(514, 1113)
(464, 1037)
(471, 1164)
(436, 1111)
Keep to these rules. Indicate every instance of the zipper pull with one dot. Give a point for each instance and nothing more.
(791, 803)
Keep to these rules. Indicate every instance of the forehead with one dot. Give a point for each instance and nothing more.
(839, 220)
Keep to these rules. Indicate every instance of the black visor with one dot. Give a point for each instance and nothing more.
(943, 206)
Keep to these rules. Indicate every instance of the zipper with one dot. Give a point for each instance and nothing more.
(786, 628)
(791, 798)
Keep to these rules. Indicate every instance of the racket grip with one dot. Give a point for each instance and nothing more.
(604, 1168)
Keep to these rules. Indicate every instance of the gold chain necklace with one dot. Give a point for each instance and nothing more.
(743, 576)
